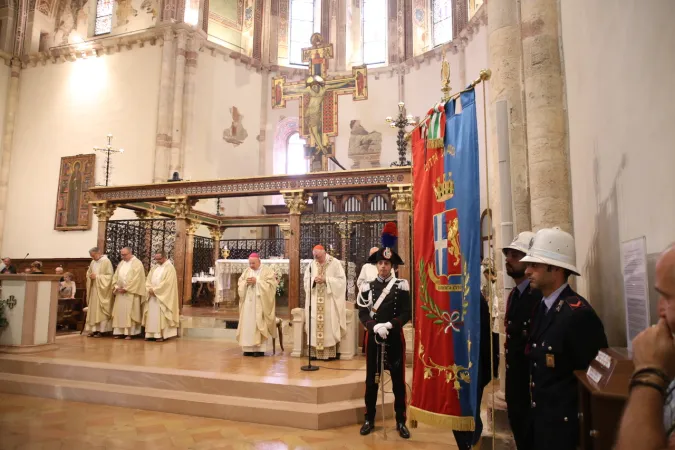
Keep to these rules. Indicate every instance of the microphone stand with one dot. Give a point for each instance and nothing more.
(309, 367)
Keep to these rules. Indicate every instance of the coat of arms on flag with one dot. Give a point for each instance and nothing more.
(448, 257)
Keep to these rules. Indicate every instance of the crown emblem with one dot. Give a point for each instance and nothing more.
(444, 188)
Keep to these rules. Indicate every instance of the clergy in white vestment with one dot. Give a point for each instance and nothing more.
(99, 294)
(327, 288)
(369, 271)
(130, 291)
(257, 288)
(160, 307)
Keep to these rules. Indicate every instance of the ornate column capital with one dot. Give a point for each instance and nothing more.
(192, 227)
(216, 233)
(285, 229)
(181, 205)
(401, 195)
(296, 200)
(103, 210)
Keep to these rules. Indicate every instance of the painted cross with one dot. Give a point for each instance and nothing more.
(318, 95)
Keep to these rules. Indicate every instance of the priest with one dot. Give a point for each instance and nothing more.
(257, 290)
(160, 306)
(99, 294)
(129, 289)
(325, 282)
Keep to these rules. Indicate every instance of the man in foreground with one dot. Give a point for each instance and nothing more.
(129, 288)
(160, 307)
(386, 310)
(567, 335)
(649, 418)
(257, 315)
(99, 294)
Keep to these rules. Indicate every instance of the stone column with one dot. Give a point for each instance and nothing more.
(191, 57)
(178, 90)
(181, 206)
(191, 229)
(546, 124)
(7, 137)
(296, 201)
(286, 231)
(164, 113)
(401, 195)
(104, 211)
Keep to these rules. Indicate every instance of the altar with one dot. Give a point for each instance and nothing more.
(229, 270)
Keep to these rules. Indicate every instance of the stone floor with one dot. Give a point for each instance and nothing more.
(35, 423)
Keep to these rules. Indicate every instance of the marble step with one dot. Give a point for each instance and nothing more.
(298, 391)
(243, 409)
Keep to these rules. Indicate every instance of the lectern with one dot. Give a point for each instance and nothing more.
(603, 392)
(31, 303)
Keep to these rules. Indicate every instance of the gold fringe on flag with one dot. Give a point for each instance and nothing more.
(435, 143)
(455, 423)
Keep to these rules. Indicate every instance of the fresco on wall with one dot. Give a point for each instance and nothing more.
(235, 133)
(365, 148)
(76, 176)
(226, 21)
(70, 21)
(134, 15)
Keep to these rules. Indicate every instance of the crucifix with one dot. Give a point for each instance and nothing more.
(107, 150)
(318, 95)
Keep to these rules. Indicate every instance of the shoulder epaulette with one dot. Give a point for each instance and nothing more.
(403, 285)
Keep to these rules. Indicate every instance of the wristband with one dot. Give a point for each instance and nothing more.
(652, 370)
(634, 383)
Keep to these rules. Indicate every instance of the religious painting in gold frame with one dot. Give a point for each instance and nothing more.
(76, 176)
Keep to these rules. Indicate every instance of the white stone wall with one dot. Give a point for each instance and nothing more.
(66, 109)
(617, 57)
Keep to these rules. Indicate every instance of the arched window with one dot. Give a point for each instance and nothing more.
(374, 30)
(296, 163)
(104, 10)
(441, 21)
(302, 25)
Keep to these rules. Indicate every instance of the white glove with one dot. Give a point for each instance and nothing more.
(377, 326)
(382, 331)
(388, 325)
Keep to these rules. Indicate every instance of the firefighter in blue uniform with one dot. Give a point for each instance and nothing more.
(384, 308)
(566, 336)
(520, 308)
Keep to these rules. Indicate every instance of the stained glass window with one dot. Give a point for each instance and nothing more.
(442, 21)
(374, 27)
(296, 163)
(302, 25)
(104, 10)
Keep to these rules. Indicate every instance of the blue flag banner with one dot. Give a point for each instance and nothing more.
(447, 243)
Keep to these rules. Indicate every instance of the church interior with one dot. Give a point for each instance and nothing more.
(210, 133)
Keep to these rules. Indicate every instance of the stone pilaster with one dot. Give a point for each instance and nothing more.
(104, 211)
(546, 123)
(340, 20)
(12, 101)
(296, 201)
(20, 32)
(191, 59)
(178, 93)
(164, 113)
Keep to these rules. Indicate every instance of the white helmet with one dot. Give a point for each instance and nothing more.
(521, 243)
(554, 247)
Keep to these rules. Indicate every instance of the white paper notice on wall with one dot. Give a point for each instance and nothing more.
(635, 287)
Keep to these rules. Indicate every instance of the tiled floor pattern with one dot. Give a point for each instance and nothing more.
(32, 423)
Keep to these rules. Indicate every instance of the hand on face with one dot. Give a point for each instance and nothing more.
(654, 347)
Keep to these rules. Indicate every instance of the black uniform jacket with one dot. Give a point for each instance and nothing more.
(395, 308)
(566, 339)
(520, 312)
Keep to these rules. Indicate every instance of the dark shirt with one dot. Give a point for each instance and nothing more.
(9, 269)
(395, 308)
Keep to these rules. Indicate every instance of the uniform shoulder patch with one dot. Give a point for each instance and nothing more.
(575, 303)
(403, 285)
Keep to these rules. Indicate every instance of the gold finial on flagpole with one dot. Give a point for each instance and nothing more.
(445, 77)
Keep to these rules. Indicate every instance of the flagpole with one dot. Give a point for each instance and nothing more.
(485, 75)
